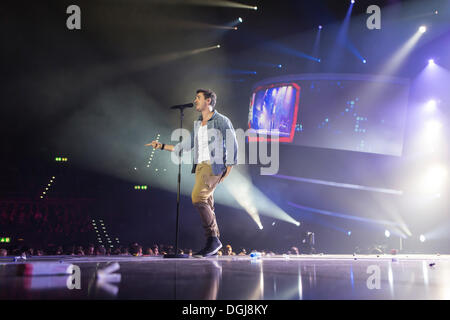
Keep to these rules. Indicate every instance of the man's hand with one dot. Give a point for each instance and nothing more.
(155, 144)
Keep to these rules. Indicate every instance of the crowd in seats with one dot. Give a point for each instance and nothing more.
(44, 221)
(134, 249)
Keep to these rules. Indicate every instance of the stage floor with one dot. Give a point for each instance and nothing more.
(235, 278)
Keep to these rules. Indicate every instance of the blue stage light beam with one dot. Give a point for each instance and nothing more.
(242, 72)
(234, 23)
(351, 47)
(340, 185)
(316, 47)
(343, 30)
(342, 41)
(278, 47)
(308, 216)
(344, 216)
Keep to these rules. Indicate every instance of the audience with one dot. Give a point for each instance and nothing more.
(134, 249)
(228, 251)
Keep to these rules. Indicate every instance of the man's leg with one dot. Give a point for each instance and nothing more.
(203, 200)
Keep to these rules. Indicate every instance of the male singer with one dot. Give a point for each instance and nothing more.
(214, 156)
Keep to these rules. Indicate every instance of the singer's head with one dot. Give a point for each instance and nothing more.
(205, 99)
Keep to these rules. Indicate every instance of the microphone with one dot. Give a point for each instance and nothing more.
(182, 106)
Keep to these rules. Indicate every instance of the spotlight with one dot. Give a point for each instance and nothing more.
(422, 29)
(235, 28)
(387, 234)
(434, 179)
(430, 106)
(432, 127)
(353, 1)
(279, 66)
(364, 61)
(320, 27)
(297, 223)
(318, 60)
(255, 8)
(349, 233)
(422, 238)
(431, 62)
(218, 46)
(436, 12)
(240, 20)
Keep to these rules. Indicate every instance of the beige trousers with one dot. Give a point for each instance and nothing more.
(202, 197)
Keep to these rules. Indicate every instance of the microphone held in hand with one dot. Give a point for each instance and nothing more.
(183, 106)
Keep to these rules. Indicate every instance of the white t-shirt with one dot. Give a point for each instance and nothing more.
(203, 150)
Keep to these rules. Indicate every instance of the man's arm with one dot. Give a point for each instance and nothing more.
(186, 144)
(158, 145)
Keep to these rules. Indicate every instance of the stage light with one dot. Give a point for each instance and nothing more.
(247, 196)
(430, 106)
(218, 46)
(320, 27)
(279, 66)
(422, 29)
(255, 8)
(432, 127)
(318, 60)
(436, 12)
(422, 238)
(297, 223)
(349, 233)
(240, 20)
(273, 223)
(364, 61)
(387, 233)
(353, 1)
(434, 179)
(431, 62)
(235, 28)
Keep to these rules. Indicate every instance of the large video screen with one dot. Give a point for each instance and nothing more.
(347, 112)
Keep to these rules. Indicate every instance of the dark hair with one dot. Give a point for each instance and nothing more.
(209, 94)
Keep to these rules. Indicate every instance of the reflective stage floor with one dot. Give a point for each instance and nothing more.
(230, 278)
